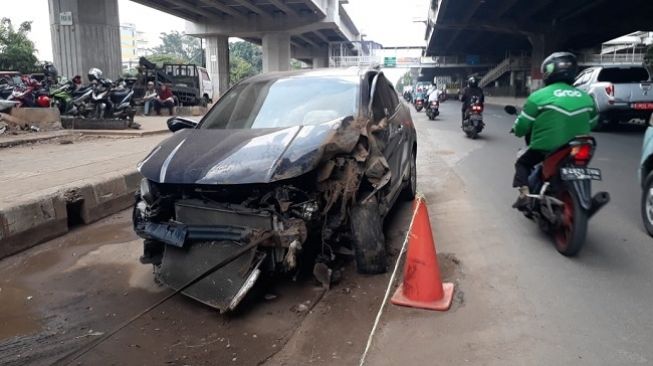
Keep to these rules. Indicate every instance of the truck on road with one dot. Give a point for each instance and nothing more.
(622, 93)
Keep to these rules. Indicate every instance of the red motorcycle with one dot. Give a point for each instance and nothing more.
(561, 202)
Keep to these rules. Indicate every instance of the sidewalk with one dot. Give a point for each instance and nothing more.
(149, 126)
(48, 187)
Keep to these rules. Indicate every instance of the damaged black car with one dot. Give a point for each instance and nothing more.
(304, 164)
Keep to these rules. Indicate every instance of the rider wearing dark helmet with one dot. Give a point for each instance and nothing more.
(552, 116)
(471, 90)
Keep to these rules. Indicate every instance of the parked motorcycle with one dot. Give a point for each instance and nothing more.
(561, 202)
(473, 123)
(433, 109)
(113, 101)
(71, 102)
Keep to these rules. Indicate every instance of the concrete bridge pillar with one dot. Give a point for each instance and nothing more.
(217, 63)
(543, 45)
(321, 59)
(276, 52)
(85, 34)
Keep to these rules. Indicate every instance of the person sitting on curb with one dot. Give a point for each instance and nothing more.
(165, 99)
(149, 98)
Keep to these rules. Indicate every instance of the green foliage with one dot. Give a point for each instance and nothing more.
(244, 61)
(239, 69)
(161, 58)
(16, 49)
(249, 52)
(178, 47)
(405, 80)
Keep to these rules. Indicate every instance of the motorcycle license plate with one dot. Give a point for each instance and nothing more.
(580, 174)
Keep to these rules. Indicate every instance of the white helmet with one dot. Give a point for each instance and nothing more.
(94, 74)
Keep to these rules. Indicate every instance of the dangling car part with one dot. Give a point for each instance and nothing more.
(267, 160)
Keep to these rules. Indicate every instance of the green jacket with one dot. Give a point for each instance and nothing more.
(554, 115)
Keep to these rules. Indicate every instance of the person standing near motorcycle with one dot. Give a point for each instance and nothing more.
(551, 117)
(471, 90)
(150, 98)
(77, 83)
(164, 99)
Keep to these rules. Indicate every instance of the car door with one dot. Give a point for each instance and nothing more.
(390, 130)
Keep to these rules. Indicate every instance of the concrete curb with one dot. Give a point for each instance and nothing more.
(33, 138)
(34, 220)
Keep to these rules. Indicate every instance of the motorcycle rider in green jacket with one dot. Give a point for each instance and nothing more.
(552, 116)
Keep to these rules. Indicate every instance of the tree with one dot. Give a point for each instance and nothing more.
(180, 47)
(405, 80)
(244, 60)
(16, 49)
(239, 69)
(164, 58)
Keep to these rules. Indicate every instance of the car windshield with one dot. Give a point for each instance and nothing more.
(623, 76)
(291, 101)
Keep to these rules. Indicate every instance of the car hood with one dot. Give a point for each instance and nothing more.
(244, 156)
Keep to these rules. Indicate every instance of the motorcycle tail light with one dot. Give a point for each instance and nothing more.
(582, 154)
(477, 108)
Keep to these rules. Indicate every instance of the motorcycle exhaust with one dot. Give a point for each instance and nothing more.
(598, 201)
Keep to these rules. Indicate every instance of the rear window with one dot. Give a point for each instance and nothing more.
(623, 76)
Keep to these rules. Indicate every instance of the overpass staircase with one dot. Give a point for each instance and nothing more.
(511, 63)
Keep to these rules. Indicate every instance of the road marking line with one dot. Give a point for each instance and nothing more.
(390, 284)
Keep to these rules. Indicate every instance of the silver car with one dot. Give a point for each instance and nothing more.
(622, 93)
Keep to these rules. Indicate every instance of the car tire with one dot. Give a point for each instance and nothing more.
(410, 190)
(647, 204)
(368, 239)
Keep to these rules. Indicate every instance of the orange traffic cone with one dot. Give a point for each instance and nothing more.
(422, 287)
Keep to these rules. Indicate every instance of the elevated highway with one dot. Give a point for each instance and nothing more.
(85, 33)
(495, 27)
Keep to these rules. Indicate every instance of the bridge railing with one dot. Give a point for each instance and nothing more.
(611, 59)
(349, 61)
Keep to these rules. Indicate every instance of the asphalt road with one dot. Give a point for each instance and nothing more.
(520, 302)
(517, 300)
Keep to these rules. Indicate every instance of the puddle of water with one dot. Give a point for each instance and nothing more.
(108, 233)
(57, 255)
(15, 316)
(124, 255)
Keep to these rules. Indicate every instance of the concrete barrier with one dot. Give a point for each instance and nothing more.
(32, 221)
(73, 123)
(43, 118)
(179, 111)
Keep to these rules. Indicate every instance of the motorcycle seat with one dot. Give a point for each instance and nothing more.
(119, 95)
(82, 91)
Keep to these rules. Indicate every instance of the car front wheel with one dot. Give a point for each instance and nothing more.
(647, 204)
(410, 190)
(366, 226)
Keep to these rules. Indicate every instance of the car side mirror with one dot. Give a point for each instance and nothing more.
(178, 123)
(510, 109)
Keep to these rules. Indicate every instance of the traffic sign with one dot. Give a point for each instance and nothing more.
(390, 62)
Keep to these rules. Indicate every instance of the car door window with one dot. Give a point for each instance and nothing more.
(384, 105)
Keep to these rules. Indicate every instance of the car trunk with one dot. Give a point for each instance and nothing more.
(631, 84)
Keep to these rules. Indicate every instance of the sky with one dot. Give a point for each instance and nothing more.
(392, 23)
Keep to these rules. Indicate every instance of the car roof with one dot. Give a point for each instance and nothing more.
(352, 72)
(622, 66)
